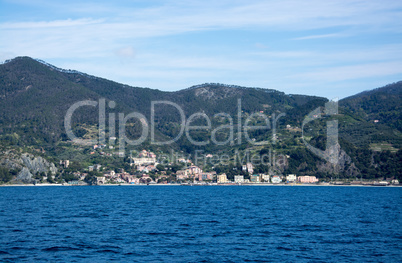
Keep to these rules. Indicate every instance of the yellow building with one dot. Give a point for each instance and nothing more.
(222, 178)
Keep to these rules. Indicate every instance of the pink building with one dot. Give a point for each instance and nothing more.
(307, 179)
(206, 176)
(191, 172)
(249, 167)
(181, 175)
(194, 170)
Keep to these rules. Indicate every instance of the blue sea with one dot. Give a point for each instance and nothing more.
(200, 224)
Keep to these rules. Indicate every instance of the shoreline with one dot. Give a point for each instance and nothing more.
(310, 185)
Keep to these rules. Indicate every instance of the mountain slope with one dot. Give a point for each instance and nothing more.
(35, 97)
(381, 104)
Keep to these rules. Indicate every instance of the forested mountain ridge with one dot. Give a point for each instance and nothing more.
(35, 96)
(381, 105)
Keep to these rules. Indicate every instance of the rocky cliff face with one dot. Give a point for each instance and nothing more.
(209, 93)
(28, 164)
(344, 164)
(37, 164)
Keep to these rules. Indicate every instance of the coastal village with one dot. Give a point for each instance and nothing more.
(147, 171)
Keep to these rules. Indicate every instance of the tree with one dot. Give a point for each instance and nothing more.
(90, 179)
(50, 179)
(69, 177)
(160, 167)
(6, 175)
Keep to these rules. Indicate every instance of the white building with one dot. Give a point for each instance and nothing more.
(250, 168)
(291, 178)
(100, 180)
(65, 163)
(276, 179)
(265, 177)
(239, 179)
(144, 160)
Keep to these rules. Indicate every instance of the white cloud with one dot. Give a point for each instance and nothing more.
(352, 72)
(285, 54)
(125, 52)
(260, 45)
(49, 24)
(321, 36)
(186, 17)
(105, 36)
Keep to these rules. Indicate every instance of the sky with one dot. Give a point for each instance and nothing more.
(332, 48)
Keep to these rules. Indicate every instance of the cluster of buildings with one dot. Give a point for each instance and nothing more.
(98, 148)
(144, 157)
(146, 168)
(122, 178)
(249, 167)
(195, 173)
(95, 167)
(265, 178)
(146, 162)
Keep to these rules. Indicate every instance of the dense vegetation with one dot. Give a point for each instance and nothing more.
(382, 104)
(34, 99)
(6, 175)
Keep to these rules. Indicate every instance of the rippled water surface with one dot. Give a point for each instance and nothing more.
(200, 224)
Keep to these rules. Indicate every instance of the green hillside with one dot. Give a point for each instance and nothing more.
(35, 97)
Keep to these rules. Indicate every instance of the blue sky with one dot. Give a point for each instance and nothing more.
(325, 48)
